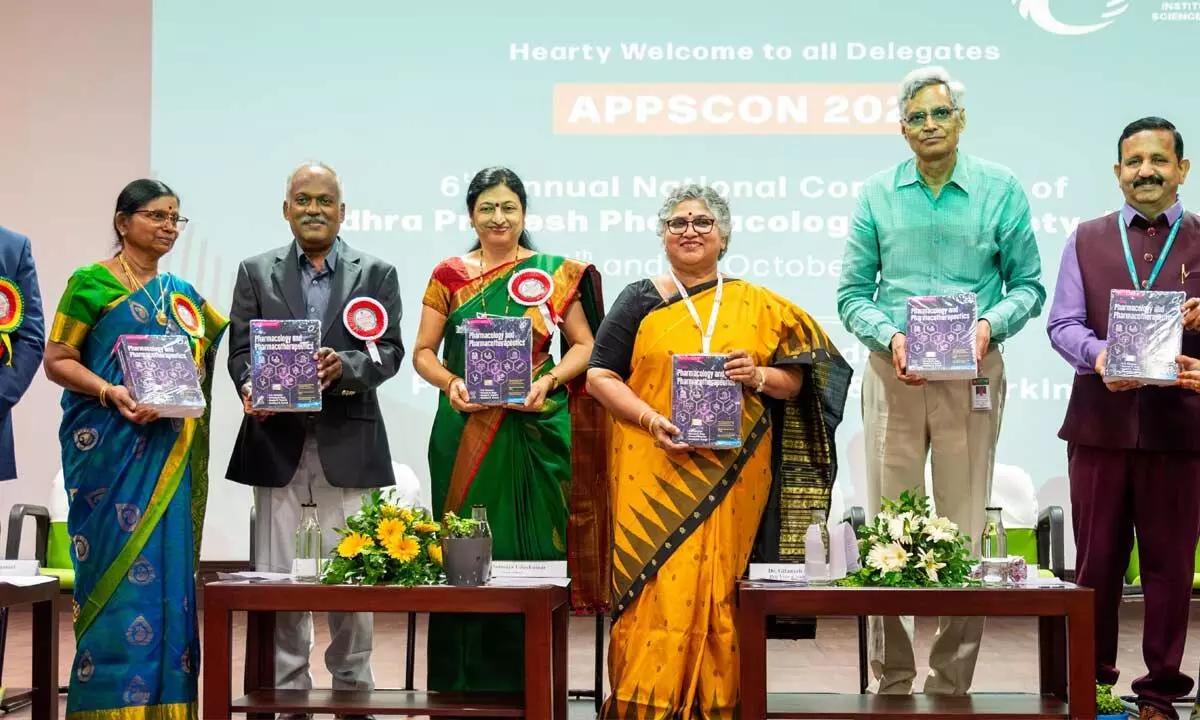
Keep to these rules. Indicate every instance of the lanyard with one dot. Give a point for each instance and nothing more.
(1149, 283)
(706, 338)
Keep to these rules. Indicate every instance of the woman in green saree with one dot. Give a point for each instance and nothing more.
(537, 466)
(136, 483)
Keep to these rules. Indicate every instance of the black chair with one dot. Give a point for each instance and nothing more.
(12, 551)
(1050, 555)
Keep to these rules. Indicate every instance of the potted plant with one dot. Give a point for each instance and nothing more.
(466, 550)
(1108, 706)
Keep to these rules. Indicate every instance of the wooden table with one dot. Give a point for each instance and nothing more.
(44, 694)
(545, 608)
(1066, 650)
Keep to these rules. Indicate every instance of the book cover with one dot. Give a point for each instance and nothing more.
(160, 372)
(499, 364)
(1145, 333)
(283, 366)
(706, 406)
(941, 336)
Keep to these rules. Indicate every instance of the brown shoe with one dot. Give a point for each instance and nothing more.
(1149, 712)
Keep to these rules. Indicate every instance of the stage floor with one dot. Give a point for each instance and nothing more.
(1007, 662)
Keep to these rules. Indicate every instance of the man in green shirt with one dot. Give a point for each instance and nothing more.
(939, 223)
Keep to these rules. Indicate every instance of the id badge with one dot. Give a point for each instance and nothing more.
(981, 395)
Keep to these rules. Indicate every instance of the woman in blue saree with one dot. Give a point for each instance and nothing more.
(136, 483)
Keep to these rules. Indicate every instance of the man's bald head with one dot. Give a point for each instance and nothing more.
(313, 206)
(313, 167)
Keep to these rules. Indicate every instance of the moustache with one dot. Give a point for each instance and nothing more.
(310, 219)
(1153, 180)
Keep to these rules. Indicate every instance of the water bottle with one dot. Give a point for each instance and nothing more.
(993, 549)
(479, 515)
(816, 546)
(307, 562)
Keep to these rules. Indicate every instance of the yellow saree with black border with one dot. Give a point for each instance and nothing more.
(685, 525)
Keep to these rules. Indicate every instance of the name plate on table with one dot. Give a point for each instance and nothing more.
(529, 568)
(18, 568)
(781, 572)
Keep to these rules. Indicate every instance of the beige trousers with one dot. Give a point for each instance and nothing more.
(903, 426)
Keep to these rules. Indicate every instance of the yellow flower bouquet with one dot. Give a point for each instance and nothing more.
(387, 544)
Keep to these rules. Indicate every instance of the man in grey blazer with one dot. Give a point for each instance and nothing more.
(327, 458)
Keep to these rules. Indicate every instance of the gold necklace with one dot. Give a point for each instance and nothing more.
(160, 313)
(483, 271)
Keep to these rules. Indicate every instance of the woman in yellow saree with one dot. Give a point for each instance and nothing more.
(136, 483)
(687, 520)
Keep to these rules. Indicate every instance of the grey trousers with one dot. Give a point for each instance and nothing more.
(348, 657)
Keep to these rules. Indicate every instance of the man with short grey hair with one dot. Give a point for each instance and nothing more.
(327, 459)
(939, 223)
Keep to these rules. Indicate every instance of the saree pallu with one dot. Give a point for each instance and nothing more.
(686, 524)
(540, 475)
(136, 513)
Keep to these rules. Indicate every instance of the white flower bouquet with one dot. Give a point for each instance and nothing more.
(906, 545)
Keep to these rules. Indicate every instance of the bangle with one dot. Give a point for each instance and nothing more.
(643, 417)
(450, 382)
(762, 380)
(653, 420)
(553, 380)
(104, 394)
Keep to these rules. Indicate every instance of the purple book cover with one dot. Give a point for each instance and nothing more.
(940, 338)
(499, 363)
(1145, 333)
(706, 406)
(283, 369)
(160, 372)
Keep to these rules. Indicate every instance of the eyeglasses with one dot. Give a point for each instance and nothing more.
(701, 225)
(160, 217)
(940, 115)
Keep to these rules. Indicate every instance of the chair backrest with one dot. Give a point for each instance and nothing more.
(408, 485)
(1134, 571)
(1012, 491)
(58, 545)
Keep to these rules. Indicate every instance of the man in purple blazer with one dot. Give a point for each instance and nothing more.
(1133, 456)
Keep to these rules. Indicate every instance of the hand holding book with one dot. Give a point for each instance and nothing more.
(900, 361)
(740, 368)
(329, 367)
(118, 396)
(1189, 373)
(1116, 385)
(460, 399)
(538, 391)
(983, 338)
(1191, 315)
(666, 435)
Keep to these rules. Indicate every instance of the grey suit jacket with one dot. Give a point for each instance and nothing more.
(351, 437)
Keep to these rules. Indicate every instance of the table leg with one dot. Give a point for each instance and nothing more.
(539, 629)
(1081, 657)
(259, 672)
(45, 661)
(1052, 656)
(218, 695)
(752, 644)
(561, 631)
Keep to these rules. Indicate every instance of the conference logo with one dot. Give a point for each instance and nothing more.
(1039, 12)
